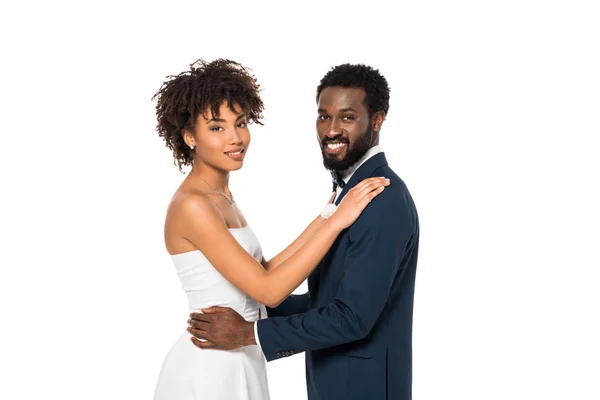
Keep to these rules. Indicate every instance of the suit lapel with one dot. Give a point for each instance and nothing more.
(363, 172)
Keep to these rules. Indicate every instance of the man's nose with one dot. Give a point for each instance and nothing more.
(334, 128)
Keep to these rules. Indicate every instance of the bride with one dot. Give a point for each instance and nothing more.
(203, 116)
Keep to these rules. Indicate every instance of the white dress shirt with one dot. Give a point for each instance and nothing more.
(346, 175)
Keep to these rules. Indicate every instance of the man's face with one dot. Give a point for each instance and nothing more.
(344, 128)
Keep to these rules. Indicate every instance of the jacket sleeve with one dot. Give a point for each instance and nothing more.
(294, 304)
(378, 241)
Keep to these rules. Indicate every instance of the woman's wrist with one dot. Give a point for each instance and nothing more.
(328, 211)
(334, 224)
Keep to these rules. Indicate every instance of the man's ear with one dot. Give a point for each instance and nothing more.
(377, 120)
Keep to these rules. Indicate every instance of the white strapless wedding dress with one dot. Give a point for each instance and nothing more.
(190, 373)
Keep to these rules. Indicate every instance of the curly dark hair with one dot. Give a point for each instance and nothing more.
(363, 77)
(205, 86)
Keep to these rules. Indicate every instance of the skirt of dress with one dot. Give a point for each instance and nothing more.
(191, 373)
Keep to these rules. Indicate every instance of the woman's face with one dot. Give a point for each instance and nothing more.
(220, 142)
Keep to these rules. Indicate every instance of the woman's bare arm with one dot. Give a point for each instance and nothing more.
(205, 228)
(296, 244)
(310, 230)
(202, 224)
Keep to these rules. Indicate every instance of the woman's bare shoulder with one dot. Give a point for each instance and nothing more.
(191, 205)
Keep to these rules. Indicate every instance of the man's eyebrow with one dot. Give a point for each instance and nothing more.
(343, 110)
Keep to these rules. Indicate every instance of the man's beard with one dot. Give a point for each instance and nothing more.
(353, 153)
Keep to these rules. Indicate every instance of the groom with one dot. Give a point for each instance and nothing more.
(355, 322)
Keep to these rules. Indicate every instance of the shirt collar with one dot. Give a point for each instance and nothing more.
(347, 174)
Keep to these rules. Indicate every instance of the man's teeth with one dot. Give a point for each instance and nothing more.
(334, 146)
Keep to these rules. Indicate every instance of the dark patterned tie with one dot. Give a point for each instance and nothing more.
(337, 180)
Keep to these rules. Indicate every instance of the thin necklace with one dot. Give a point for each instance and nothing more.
(229, 199)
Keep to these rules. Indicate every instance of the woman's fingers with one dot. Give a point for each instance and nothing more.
(371, 195)
(368, 185)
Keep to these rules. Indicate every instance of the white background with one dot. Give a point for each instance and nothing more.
(493, 120)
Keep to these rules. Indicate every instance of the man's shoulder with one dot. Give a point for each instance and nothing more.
(397, 189)
(394, 206)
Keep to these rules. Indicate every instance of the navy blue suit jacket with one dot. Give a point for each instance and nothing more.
(355, 322)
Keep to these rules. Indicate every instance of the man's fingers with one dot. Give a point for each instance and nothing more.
(200, 317)
(199, 333)
(207, 318)
(197, 324)
(201, 344)
(208, 310)
(215, 310)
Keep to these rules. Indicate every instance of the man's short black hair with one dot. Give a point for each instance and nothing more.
(363, 77)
